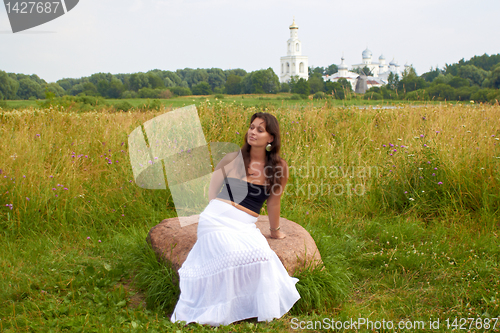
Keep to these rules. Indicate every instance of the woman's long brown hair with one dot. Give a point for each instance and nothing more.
(273, 159)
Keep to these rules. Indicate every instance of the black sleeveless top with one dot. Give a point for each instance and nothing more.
(249, 195)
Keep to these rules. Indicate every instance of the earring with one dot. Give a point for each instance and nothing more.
(268, 147)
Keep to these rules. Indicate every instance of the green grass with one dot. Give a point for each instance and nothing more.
(250, 100)
(74, 254)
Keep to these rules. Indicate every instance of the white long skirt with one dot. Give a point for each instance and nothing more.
(231, 272)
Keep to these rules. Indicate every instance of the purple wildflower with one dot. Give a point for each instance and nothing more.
(440, 183)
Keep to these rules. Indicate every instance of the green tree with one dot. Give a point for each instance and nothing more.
(301, 87)
(76, 89)
(335, 89)
(346, 85)
(442, 92)
(216, 78)
(285, 87)
(102, 88)
(29, 88)
(410, 81)
(263, 81)
(432, 74)
(458, 82)
(316, 83)
(8, 86)
(193, 76)
(55, 88)
(332, 69)
(392, 81)
(472, 73)
(90, 89)
(148, 93)
(97, 77)
(494, 77)
(116, 88)
(202, 88)
(316, 70)
(67, 84)
(155, 80)
(233, 84)
(139, 81)
(181, 91)
(236, 71)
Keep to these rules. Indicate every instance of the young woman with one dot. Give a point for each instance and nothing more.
(231, 272)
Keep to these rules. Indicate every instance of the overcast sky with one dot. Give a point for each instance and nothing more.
(128, 36)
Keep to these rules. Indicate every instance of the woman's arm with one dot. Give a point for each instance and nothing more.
(218, 175)
(274, 202)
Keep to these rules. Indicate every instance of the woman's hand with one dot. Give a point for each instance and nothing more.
(277, 234)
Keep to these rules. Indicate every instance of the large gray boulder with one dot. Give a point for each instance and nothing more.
(297, 251)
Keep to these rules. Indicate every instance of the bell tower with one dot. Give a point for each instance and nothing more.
(294, 64)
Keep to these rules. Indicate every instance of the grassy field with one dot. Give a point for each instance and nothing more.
(249, 100)
(403, 205)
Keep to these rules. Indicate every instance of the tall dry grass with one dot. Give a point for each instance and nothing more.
(65, 169)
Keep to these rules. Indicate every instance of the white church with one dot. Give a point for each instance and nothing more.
(295, 64)
(379, 71)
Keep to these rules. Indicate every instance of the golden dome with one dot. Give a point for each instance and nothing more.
(294, 25)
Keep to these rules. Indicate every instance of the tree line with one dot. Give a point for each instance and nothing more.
(476, 79)
(153, 84)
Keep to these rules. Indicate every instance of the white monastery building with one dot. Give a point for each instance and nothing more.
(380, 71)
(294, 63)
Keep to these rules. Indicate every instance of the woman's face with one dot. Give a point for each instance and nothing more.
(257, 134)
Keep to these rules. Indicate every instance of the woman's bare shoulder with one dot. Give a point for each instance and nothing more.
(283, 164)
(228, 158)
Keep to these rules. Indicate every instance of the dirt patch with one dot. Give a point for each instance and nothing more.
(137, 297)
